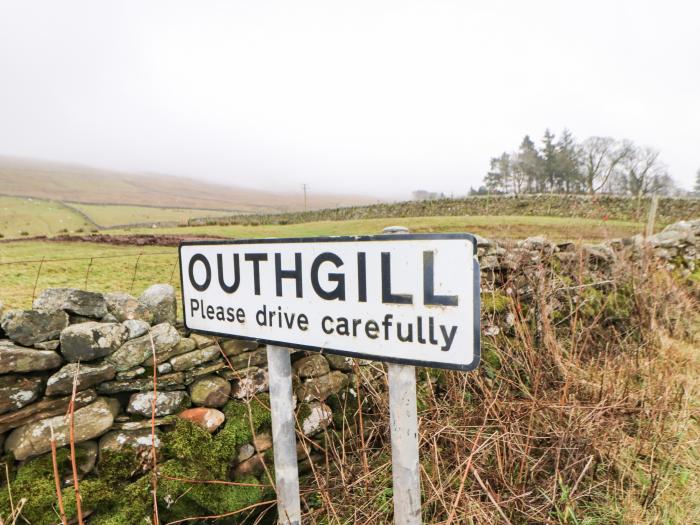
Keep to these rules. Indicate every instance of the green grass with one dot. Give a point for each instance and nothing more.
(66, 264)
(37, 217)
(115, 214)
(17, 280)
(499, 227)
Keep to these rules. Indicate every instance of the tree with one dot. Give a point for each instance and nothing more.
(602, 158)
(499, 179)
(569, 163)
(527, 167)
(696, 188)
(549, 163)
(644, 173)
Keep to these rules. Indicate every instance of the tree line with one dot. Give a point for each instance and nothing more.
(564, 165)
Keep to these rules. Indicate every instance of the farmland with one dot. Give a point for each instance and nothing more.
(108, 215)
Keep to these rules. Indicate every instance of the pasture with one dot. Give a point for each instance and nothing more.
(107, 215)
(108, 267)
(21, 216)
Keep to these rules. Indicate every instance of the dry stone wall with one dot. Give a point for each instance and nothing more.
(109, 347)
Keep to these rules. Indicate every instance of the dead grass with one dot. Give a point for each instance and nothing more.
(581, 413)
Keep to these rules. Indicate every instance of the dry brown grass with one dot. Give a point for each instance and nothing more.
(584, 411)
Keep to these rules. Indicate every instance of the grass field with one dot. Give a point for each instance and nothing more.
(37, 217)
(112, 267)
(498, 227)
(115, 214)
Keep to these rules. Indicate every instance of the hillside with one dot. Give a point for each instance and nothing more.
(83, 184)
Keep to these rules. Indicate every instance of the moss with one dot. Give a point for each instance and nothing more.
(494, 302)
(118, 465)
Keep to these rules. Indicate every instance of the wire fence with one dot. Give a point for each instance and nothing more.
(22, 280)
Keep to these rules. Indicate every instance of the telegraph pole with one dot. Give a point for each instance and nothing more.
(305, 187)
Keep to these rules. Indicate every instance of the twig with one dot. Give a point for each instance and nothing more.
(154, 453)
(56, 477)
(71, 416)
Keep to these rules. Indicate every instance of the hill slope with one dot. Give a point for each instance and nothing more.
(76, 183)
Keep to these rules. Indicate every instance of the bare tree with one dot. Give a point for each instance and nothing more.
(601, 160)
(645, 174)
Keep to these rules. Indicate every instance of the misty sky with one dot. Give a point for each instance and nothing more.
(377, 97)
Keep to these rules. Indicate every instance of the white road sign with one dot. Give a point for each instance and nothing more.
(411, 299)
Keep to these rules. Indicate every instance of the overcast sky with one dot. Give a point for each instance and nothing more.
(378, 97)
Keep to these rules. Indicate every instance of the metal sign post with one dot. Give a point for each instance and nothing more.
(279, 367)
(403, 414)
(408, 300)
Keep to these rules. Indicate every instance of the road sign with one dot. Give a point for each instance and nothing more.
(407, 299)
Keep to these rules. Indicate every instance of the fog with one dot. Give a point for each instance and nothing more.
(379, 98)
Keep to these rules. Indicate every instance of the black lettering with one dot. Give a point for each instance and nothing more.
(409, 337)
(387, 295)
(207, 279)
(323, 324)
(449, 338)
(339, 291)
(362, 277)
(341, 327)
(194, 306)
(236, 273)
(220, 313)
(210, 312)
(288, 274)
(431, 331)
(373, 327)
(429, 297)
(240, 315)
(303, 322)
(230, 315)
(255, 258)
(386, 323)
(419, 329)
(262, 312)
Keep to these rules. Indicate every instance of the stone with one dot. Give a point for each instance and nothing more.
(132, 373)
(194, 358)
(319, 388)
(139, 351)
(87, 454)
(161, 300)
(141, 440)
(92, 340)
(247, 359)
(109, 318)
(87, 375)
(126, 307)
(253, 466)
(185, 345)
(340, 362)
(77, 319)
(537, 243)
(207, 418)
(249, 382)
(144, 423)
(314, 417)
(166, 403)
(136, 328)
(174, 381)
(29, 327)
(48, 345)
(90, 422)
(311, 366)
(245, 452)
(206, 369)
(47, 407)
(233, 347)
(202, 341)
(19, 391)
(599, 253)
(262, 441)
(210, 391)
(138, 443)
(73, 301)
(164, 368)
(14, 358)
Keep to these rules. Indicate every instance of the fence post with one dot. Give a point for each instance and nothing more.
(403, 410)
(279, 367)
(651, 218)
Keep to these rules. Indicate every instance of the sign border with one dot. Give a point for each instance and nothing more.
(352, 238)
